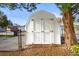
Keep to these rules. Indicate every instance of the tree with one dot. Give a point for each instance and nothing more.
(69, 11)
(10, 23)
(3, 20)
(12, 6)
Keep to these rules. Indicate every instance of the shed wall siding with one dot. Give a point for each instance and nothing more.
(43, 30)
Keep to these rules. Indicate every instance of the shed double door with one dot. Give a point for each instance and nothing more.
(43, 32)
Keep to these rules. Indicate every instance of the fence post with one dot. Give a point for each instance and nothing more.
(19, 40)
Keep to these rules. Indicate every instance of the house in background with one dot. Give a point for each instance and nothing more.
(43, 28)
(2, 29)
(22, 28)
(8, 29)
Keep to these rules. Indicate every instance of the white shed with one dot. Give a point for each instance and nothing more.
(42, 28)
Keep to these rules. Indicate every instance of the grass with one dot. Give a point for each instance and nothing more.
(7, 36)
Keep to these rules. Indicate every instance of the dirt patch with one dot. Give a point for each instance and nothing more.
(40, 50)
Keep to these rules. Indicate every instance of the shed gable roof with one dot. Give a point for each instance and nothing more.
(40, 14)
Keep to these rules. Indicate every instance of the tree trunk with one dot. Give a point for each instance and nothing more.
(69, 33)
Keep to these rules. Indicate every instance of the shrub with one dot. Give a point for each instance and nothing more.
(75, 49)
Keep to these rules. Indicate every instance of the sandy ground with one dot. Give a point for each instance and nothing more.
(40, 50)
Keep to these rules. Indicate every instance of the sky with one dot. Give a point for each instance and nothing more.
(20, 17)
